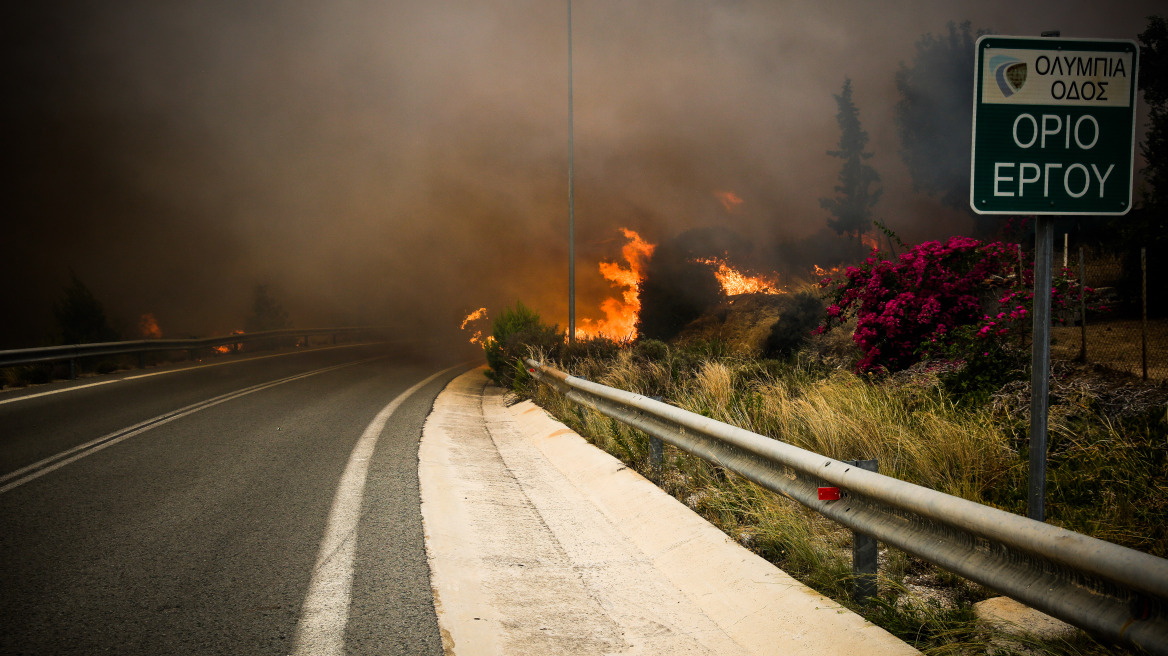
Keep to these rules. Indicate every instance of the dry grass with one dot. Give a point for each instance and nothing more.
(915, 433)
(1116, 344)
(742, 323)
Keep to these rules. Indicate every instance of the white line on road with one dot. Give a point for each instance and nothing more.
(57, 391)
(55, 462)
(258, 357)
(321, 630)
(171, 371)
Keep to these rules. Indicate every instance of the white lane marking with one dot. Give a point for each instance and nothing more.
(258, 357)
(55, 462)
(56, 391)
(172, 371)
(321, 630)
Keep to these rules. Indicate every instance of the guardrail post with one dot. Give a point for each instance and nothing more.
(72, 368)
(864, 551)
(656, 451)
(141, 359)
(656, 454)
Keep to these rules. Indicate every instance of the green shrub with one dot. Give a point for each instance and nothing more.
(516, 334)
(798, 316)
(596, 348)
(974, 382)
(650, 350)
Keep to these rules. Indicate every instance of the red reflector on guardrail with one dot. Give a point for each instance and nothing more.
(829, 494)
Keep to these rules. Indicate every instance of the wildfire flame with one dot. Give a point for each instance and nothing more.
(230, 348)
(480, 313)
(735, 282)
(730, 200)
(148, 327)
(477, 336)
(620, 315)
(870, 242)
(822, 272)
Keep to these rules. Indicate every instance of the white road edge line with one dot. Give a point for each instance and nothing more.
(47, 465)
(173, 371)
(57, 391)
(321, 629)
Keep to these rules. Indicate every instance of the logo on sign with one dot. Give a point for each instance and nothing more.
(1010, 74)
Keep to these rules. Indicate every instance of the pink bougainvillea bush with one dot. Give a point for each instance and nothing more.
(962, 298)
(920, 298)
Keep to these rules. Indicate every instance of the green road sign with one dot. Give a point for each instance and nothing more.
(1053, 126)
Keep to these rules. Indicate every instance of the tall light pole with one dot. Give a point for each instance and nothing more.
(571, 197)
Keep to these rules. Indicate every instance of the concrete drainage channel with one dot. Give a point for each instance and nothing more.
(540, 543)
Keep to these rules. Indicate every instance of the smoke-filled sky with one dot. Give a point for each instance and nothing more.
(406, 162)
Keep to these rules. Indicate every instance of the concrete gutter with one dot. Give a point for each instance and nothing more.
(540, 543)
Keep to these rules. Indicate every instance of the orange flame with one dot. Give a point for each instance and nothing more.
(730, 200)
(620, 315)
(478, 315)
(735, 282)
(148, 327)
(822, 272)
(870, 241)
(230, 348)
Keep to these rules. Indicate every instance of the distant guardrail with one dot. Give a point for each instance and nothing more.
(73, 352)
(1112, 591)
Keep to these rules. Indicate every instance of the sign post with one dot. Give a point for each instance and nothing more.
(1053, 134)
(1040, 367)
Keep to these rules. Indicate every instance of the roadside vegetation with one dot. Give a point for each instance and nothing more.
(918, 361)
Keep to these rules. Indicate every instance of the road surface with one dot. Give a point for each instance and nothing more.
(267, 505)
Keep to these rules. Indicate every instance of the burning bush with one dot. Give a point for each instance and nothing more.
(620, 315)
(473, 320)
(148, 327)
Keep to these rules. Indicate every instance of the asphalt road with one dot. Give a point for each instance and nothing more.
(201, 530)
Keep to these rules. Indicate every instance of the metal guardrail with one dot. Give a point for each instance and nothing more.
(1112, 591)
(72, 352)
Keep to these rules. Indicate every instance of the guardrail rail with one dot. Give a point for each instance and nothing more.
(1111, 591)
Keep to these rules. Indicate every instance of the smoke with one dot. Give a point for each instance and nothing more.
(405, 163)
(678, 288)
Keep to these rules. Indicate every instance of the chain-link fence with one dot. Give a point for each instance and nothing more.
(1118, 322)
